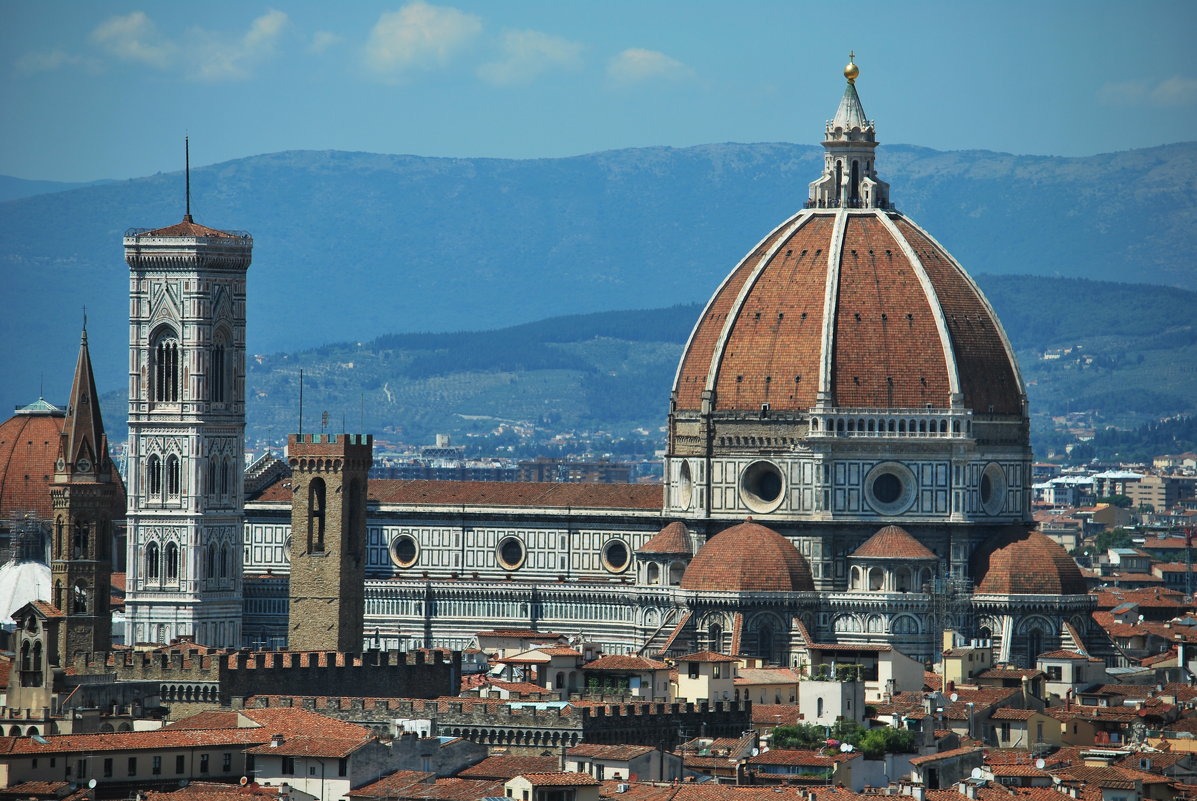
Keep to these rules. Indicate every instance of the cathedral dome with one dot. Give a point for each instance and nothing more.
(848, 304)
(28, 448)
(748, 558)
(1026, 563)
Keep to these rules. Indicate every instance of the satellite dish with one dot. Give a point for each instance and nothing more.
(91, 784)
(846, 748)
(1039, 763)
(954, 698)
(756, 752)
(976, 774)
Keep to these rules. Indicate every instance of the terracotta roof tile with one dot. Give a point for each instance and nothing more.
(625, 662)
(498, 493)
(705, 656)
(614, 752)
(507, 766)
(560, 779)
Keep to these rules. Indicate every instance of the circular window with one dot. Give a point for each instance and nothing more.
(685, 486)
(992, 489)
(615, 556)
(761, 486)
(405, 550)
(890, 488)
(511, 553)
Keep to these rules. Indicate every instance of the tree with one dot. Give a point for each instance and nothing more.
(801, 735)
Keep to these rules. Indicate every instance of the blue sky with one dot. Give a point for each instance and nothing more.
(108, 89)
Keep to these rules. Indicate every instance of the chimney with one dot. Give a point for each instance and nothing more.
(276, 740)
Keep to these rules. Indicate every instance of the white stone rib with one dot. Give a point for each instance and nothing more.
(733, 314)
(941, 323)
(831, 291)
(1022, 389)
(677, 375)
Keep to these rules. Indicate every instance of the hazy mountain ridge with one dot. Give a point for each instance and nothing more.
(612, 371)
(348, 245)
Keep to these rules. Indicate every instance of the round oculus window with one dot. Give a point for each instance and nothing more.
(890, 488)
(685, 486)
(615, 556)
(511, 553)
(762, 486)
(405, 550)
(992, 489)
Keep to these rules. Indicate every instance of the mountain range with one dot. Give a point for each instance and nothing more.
(353, 246)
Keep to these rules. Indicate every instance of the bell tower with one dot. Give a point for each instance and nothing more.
(86, 497)
(328, 540)
(186, 432)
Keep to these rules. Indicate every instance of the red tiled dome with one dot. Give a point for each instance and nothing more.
(748, 557)
(908, 326)
(893, 542)
(673, 539)
(1026, 563)
(28, 449)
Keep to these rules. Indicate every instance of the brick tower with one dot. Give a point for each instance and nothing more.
(328, 540)
(86, 496)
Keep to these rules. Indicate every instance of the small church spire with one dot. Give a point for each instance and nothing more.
(83, 447)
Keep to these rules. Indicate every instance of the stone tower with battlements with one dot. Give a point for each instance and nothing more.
(329, 473)
(186, 432)
(86, 498)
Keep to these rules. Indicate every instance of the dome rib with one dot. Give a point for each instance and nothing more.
(830, 303)
(794, 224)
(941, 324)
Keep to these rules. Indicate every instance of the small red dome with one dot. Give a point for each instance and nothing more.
(748, 558)
(1026, 563)
(893, 542)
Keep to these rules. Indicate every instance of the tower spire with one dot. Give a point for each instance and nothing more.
(83, 447)
(187, 173)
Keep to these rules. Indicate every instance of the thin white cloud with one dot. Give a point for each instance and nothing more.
(637, 65)
(1168, 93)
(324, 40)
(527, 54)
(46, 61)
(134, 37)
(216, 57)
(418, 36)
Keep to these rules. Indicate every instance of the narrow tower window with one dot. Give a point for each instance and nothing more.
(172, 475)
(151, 560)
(79, 542)
(217, 380)
(316, 516)
(153, 472)
(171, 557)
(79, 598)
(166, 369)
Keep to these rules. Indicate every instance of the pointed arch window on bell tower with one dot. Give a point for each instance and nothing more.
(153, 471)
(165, 368)
(151, 561)
(170, 555)
(172, 476)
